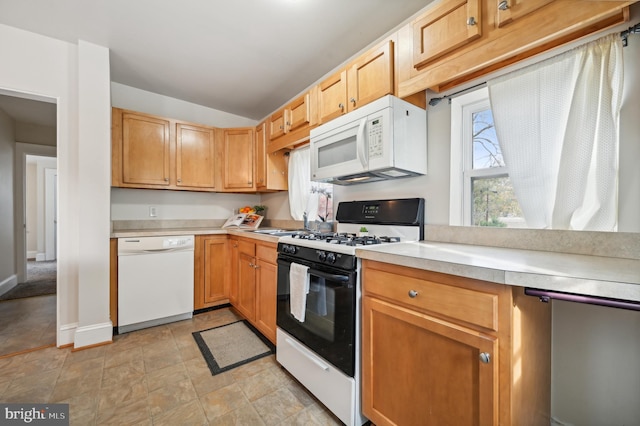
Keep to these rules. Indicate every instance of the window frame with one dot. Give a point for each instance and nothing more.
(462, 172)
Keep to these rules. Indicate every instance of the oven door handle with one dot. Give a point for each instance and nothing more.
(330, 277)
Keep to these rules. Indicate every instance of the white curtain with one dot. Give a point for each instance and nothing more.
(314, 198)
(558, 123)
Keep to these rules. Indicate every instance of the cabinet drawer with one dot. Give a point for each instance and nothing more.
(267, 253)
(456, 303)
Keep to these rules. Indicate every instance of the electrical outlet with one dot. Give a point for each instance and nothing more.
(153, 212)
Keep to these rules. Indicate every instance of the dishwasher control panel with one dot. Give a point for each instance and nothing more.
(137, 245)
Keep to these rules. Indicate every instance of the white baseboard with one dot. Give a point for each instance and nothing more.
(66, 334)
(32, 254)
(41, 257)
(93, 334)
(8, 284)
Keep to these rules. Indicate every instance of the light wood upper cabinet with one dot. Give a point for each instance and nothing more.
(332, 96)
(146, 150)
(271, 167)
(438, 50)
(370, 76)
(291, 124)
(365, 79)
(239, 155)
(480, 352)
(154, 152)
(195, 156)
(445, 27)
(511, 10)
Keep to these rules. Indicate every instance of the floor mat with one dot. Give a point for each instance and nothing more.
(232, 345)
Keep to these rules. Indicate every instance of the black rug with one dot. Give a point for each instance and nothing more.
(232, 345)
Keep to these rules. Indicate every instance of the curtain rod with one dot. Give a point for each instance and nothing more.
(631, 30)
(624, 34)
(436, 101)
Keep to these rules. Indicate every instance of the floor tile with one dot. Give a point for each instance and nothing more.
(158, 376)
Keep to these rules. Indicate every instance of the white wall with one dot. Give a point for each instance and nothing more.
(48, 69)
(94, 182)
(133, 204)
(7, 260)
(127, 97)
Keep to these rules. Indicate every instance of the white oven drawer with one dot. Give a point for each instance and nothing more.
(331, 386)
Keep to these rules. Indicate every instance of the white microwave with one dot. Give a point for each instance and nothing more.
(385, 139)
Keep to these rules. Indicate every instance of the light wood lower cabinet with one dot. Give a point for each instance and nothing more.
(253, 287)
(211, 273)
(439, 349)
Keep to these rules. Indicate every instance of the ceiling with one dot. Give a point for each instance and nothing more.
(245, 57)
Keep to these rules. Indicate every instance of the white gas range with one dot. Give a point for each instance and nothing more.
(323, 349)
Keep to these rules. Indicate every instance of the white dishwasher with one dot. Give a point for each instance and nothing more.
(155, 281)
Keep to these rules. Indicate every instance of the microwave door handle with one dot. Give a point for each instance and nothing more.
(361, 142)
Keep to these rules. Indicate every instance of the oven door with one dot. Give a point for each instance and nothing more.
(329, 325)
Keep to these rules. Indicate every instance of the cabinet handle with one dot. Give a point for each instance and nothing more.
(179, 180)
(353, 100)
(166, 179)
(341, 106)
(503, 5)
(485, 357)
(413, 294)
(471, 21)
(281, 127)
(249, 183)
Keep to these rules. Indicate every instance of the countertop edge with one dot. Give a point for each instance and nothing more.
(516, 267)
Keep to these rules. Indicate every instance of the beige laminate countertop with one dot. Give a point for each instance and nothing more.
(570, 273)
(161, 232)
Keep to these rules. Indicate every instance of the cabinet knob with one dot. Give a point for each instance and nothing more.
(353, 100)
(341, 106)
(166, 179)
(179, 180)
(281, 127)
(249, 183)
(413, 294)
(471, 21)
(503, 5)
(485, 357)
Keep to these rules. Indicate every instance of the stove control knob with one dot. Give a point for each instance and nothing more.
(289, 249)
(331, 258)
(322, 256)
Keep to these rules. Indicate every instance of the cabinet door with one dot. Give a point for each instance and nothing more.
(371, 76)
(299, 113)
(246, 301)
(195, 157)
(444, 28)
(332, 97)
(443, 379)
(146, 150)
(511, 10)
(233, 276)
(277, 124)
(215, 269)
(266, 293)
(239, 153)
(261, 157)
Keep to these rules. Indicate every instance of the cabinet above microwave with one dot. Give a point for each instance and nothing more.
(386, 139)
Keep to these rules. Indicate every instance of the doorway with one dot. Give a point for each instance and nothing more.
(34, 130)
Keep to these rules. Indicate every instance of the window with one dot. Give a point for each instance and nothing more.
(481, 192)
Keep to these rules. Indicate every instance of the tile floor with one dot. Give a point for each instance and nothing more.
(158, 376)
(27, 323)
